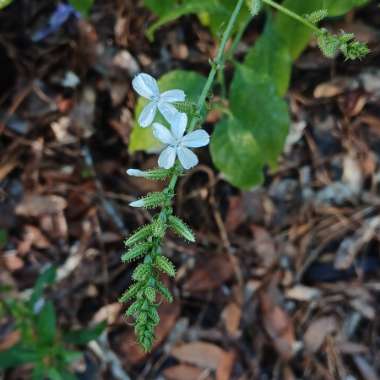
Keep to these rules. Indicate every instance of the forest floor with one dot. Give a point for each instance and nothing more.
(283, 282)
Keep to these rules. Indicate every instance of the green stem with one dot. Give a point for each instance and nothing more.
(211, 77)
(237, 39)
(292, 14)
(217, 62)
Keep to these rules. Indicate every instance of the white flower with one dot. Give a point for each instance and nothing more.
(178, 144)
(135, 172)
(146, 86)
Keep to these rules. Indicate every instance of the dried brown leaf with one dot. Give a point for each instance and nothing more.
(209, 274)
(202, 354)
(317, 332)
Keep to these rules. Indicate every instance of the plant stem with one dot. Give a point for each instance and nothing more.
(292, 14)
(217, 62)
(211, 77)
(237, 38)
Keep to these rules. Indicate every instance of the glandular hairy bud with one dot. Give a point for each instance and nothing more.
(317, 16)
(181, 228)
(152, 200)
(154, 174)
(135, 252)
(255, 6)
(139, 235)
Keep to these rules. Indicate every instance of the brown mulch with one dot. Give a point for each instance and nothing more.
(283, 282)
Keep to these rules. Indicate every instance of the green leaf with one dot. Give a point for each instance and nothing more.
(340, 7)
(161, 7)
(190, 82)
(270, 57)
(46, 278)
(3, 238)
(236, 154)
(5, 3)
(296, 35)
(217, 18)
(188, 7)
(82, 6)
(46, 323)
(16, 356)
(253, 100)
(70, 356)
(39, 372)
(84, 336)
(255, 133)
(53, 374)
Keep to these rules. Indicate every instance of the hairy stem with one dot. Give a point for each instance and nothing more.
(292, 14)
(218, 61)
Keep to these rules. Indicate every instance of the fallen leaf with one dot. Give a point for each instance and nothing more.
(317, 332)
(225, 366)
(231, 316)
(185, 372)
(279, 326)
(37, 205)
(10, 340)
(209, 274)
(108, 313)
(264, 245)
(236, 214)
(202, 354)
(12, 261)
(302, 293)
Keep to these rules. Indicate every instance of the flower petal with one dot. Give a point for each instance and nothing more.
(167, 158)
(169, 112)
(138, 203)
(146, 86)
(135, 172)
(186, 157)
(178, 126)
(147, 114)
(173, 96)
(163, 134)
(196, 139)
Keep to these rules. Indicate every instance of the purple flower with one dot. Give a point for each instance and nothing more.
(59, 17)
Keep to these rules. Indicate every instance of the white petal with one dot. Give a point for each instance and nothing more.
(196, 139)
(178, 126)
(163, 134)
(135, 173)
(187, 158)
(147, 114)
(139, 203)
(146, 86)
(168, 111)
(167, 158)
(173, 96)
(38, 305)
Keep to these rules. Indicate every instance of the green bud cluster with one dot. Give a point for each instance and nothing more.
(255, 6)
(331, 44)
(317, 16)
(145, 243)
(188, 107)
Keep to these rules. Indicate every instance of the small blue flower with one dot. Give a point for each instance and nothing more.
(147, 87)
(59, 17)
(178, 143)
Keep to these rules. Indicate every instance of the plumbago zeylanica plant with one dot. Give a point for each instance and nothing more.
(242, 143)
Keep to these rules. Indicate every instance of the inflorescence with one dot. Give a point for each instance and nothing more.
(146, 242)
